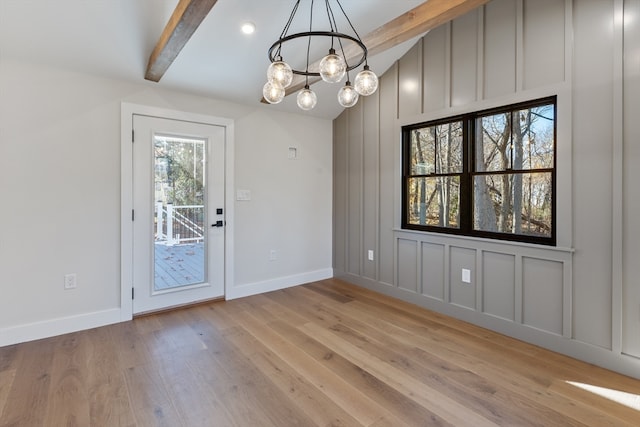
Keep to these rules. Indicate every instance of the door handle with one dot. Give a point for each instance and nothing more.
(218, 224)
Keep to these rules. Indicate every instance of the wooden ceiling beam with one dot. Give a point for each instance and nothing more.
(184, 21)
(419, 20)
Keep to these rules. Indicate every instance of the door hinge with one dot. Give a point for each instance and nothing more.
(133, 291)
(133, 215)
(133, 135)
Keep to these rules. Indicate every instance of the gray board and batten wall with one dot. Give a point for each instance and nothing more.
(580, 297)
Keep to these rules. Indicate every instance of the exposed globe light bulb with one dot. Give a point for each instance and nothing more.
(347, 95)
(332, 67)
(366, 82)
(307, 99)
(280, 72)
(273, 92)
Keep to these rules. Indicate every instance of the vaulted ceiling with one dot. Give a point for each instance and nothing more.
(115, 38)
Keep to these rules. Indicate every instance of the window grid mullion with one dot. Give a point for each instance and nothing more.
(470, 170)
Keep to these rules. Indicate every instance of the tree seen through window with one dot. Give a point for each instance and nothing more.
(488, 174)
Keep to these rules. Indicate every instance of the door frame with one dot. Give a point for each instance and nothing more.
(127, 112)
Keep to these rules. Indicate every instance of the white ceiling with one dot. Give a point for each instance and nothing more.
(114, 38)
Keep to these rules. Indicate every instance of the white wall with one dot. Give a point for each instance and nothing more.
(290, 207)
(60, 195)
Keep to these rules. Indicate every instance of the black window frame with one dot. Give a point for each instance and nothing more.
(469, 172)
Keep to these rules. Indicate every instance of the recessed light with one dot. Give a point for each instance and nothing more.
(248, 27)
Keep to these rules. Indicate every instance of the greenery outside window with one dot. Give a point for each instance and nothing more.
(486, 174)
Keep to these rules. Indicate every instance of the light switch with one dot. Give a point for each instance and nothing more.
(243, 195)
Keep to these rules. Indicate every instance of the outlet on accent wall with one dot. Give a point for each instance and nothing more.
(370, 255)
(466, 275)
(70, 281)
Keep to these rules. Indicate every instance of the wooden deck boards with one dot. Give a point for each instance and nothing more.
(178, 265)
(323, 354)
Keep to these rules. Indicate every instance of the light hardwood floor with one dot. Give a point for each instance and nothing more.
(323, 354)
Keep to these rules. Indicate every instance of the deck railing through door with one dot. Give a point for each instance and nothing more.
(179, 224)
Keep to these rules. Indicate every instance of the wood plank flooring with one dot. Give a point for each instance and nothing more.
(322, 354)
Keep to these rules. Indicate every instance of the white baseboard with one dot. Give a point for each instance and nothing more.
(59, 326)
(622, 363)
(277, 283)
(64, 325)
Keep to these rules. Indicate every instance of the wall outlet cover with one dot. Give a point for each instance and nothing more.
(466, 275)
(70, 281)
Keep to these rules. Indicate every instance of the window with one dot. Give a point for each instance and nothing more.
(486, 174)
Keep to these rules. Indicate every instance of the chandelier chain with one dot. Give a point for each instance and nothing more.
(348, 20)
(285, 30)
(288, 24)
(332, 20)
(309, 44)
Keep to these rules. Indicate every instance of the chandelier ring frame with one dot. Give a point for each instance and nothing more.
(275, 49)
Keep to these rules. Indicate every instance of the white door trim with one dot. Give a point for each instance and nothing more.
(126, 193)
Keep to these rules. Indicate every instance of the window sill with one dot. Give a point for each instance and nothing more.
(477, 242)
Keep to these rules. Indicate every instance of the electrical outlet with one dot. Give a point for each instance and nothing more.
(466, 275)
(273, 255)
(370, 255)
(70, 281)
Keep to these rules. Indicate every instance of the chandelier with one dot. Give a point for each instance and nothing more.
(332, 68)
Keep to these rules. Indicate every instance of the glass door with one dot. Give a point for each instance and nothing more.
(178, 231)
(180, 211)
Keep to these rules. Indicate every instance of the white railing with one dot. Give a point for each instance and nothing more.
(179, 224)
